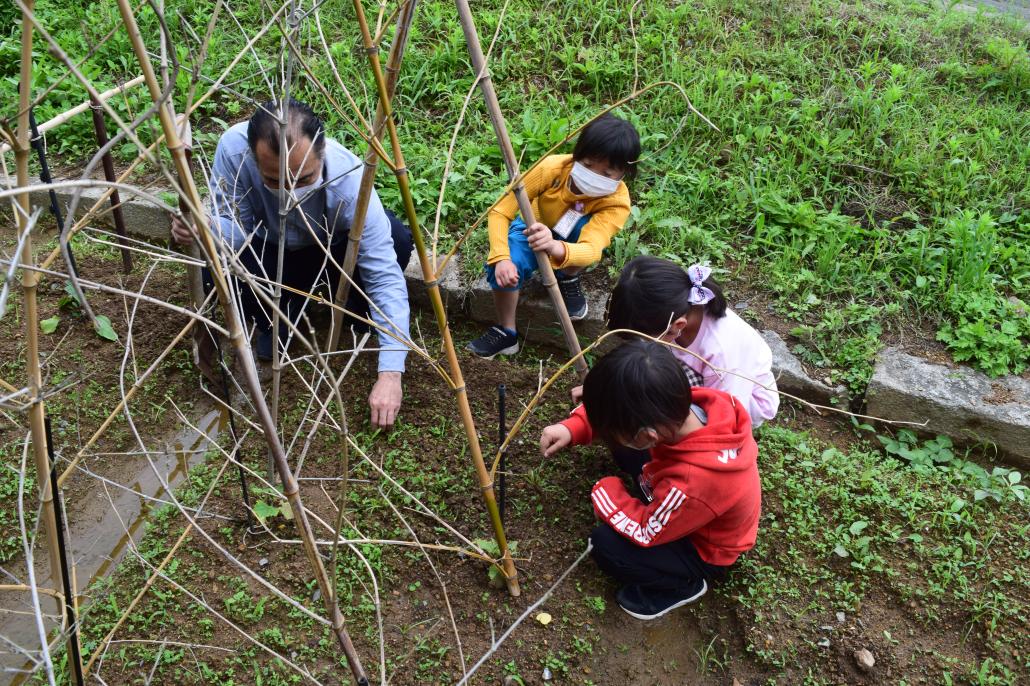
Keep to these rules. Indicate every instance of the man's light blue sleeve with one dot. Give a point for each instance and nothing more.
(231, 209)
(384, 284)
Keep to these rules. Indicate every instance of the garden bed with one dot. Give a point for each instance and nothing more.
(928, 579)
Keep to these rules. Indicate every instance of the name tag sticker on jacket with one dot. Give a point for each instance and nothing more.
(568, 221)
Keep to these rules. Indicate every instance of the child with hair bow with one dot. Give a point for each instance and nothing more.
(687, 307)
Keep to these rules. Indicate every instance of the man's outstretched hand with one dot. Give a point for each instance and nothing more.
(181, 231)
(385, 399)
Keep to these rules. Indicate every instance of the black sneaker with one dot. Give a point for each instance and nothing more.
(572, 294)
(652, 603)
(496, 341)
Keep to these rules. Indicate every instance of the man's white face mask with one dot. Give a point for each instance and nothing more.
(591, 183)
(300, 193)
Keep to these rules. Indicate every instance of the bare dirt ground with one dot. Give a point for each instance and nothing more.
(728, 636)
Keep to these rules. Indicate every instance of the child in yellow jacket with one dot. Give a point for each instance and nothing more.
(580, 202)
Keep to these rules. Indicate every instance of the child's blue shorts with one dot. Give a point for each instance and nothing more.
(522, 255)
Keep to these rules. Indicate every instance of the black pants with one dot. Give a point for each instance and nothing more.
(674, 566)
(309, 270)
(669, 566)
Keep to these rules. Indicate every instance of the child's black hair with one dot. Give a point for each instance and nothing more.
(610, 138)
(652, 292)
(638, 385)
(301, 120)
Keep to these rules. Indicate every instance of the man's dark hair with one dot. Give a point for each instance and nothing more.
(610, 138)
(301, 122)
(651, 292)
(638, 385)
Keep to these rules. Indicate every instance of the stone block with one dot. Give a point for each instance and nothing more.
(536, 318)
(143, 218)
(958, 402)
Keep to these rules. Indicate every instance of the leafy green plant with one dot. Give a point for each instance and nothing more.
(243, 607)
(48, 326)
(489, 546)
(596, 603)
(270, 505)
(990, 331)
(938, 453)
(70, 301)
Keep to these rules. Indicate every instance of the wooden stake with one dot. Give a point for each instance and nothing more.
(493, 108)
(432, 285)
(100, 128)
(242, 346)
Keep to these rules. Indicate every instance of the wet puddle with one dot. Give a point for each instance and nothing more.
(97, 523)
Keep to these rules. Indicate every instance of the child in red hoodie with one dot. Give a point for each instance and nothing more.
(701, 495)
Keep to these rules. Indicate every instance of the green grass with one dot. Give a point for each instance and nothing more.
(841, 526)
(870, 169)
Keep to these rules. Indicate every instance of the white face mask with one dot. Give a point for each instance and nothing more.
(298, 192)
(591, 183)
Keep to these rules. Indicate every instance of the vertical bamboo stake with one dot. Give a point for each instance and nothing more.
(203, 341)
(242, 346)
(433, 286)
(284, 197)
(368, 174)
(29, 282)
(468, 25)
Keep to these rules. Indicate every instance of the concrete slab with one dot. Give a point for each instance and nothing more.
(536, 318)
(143, 218)
(958, 402)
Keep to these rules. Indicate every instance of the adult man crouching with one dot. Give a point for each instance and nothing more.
(322, 188)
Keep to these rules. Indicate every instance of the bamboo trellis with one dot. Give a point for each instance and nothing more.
(288, 18)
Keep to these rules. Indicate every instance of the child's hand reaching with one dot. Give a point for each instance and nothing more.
(506, 274)
(553, 438)
(577, 393)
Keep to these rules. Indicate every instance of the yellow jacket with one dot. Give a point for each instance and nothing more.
(547, 186)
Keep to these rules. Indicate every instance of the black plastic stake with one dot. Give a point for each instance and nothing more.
(75, 659)
(502, 430)
(45, 177)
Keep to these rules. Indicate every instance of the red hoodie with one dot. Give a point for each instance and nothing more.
(705, 487)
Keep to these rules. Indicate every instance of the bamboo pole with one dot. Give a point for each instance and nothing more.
(468, 25)
(292, 25)
(67, 115)
(368, 174)
(204, 348)
(242, 346)
(432, 285)
(30, 282)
